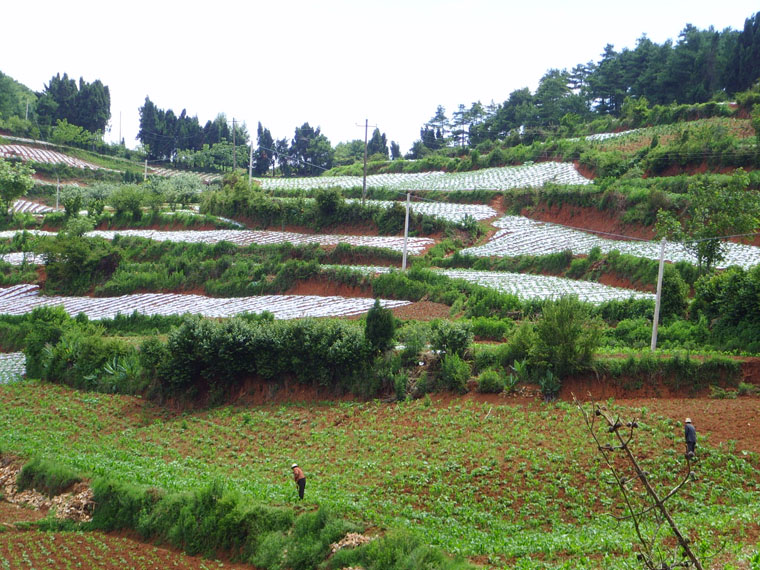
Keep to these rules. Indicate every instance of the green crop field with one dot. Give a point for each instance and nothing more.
(505, 483)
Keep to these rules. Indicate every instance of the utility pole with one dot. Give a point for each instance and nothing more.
(406, 233)
(250, 166)
(659, 294)
(364, 180)
(234, 154)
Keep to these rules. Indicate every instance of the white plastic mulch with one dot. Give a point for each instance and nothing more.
(530, 287)
(12, 366)
(22, 299)
(502, 178)
(523, 236)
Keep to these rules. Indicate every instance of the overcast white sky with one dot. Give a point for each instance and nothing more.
(332, 63)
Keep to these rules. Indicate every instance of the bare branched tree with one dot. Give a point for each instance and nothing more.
(644, 506)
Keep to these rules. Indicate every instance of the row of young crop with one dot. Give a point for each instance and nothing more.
(523, 236)
(22, 299)
(525, 286)
(444, 210)
(415, 245)
(503, 178)
(28, 207)
(43, 156)
(518, 236)
(528, 287)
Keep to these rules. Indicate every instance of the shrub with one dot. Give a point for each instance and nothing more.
(550, 385)
(380, 327)
(490, 328)
(414, 337)
(675, 293)
(455, 373)
(127, 201)
(490, 382)
(566, 337)
(451, 338)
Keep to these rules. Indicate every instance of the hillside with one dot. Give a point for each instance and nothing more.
(531, 273)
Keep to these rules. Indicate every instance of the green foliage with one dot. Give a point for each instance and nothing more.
(491, 329)
(210, 521)
(714, 211)
(550, 385)
(74, 264)
(566, 337)
(399, 550)
(491, 382)
(675, 293)
(46, 477)
(203, 355)
(679, 371)
(455, 372)
(380, 327)
(15, 181)
(450, 337)
(127, 201)
(86, 359)
(414, 337)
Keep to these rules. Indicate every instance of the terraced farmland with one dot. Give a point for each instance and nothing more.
(529, 287)
(415, 245)
(22, 299)
(44, 156)
(443, 210)
(504, 178)
(523, 236)
(27, 207)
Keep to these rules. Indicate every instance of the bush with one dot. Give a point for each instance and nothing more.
(455, 373)
(566, 337)
(491, 329)
(451, 338)
(380, 327)
(490, 382)
(414, 337)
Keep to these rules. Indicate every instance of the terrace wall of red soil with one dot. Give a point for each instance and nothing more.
(590, 219)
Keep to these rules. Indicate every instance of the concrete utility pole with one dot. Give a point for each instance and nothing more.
(406, 233)
(250, 166)
(659, 294)
(234, 154)
(364, 181)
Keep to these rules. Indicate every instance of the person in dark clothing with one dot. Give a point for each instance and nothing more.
(690, 434)
(300, 479)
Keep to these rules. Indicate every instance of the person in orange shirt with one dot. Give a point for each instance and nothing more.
(300, 479)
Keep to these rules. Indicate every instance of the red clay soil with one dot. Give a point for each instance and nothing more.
(735, 420)
(589, 219)
(421, 310)
(613, 280)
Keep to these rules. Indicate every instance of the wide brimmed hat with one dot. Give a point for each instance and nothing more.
(294, 466)
(688, 420)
